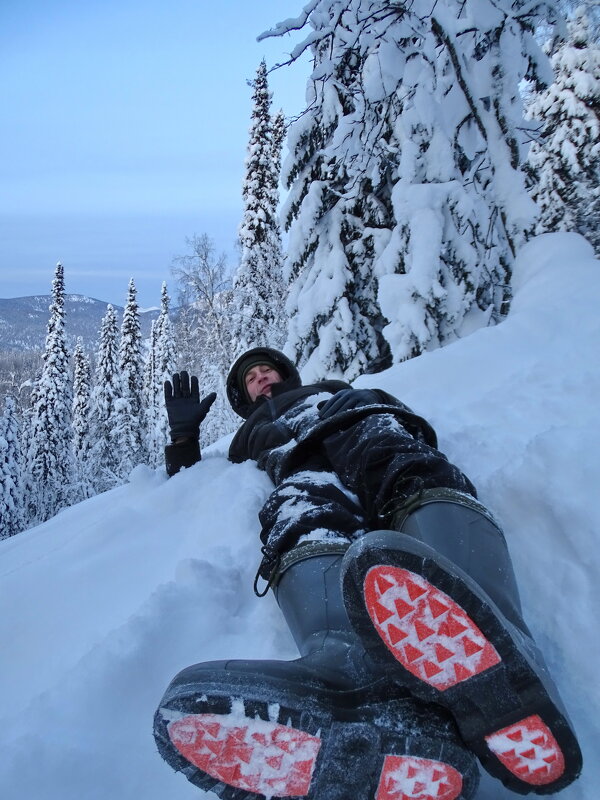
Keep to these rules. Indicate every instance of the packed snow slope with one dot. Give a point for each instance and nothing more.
(103, 604)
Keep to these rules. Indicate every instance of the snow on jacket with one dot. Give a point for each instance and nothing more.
(283, 433)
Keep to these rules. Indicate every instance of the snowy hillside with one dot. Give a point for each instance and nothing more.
(104, 603)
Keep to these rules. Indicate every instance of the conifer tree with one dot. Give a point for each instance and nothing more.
(11, 494)
(590, 8)
(565, 162)
(278, 134)
(49, 459)
(128, 432)
(81, 420)
(166, 359)
(160, 366)
(258, 285)
(166, 353)
(407, 200)
(127, 446)
(28, 484)
(105, 395)
(152, 402)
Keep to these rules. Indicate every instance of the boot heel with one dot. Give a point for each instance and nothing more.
(405, 776)
(528, 750)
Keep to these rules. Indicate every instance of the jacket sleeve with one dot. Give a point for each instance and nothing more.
(417, 426)
(252, 440)
(178, 456)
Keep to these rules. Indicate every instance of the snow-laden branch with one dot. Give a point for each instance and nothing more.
(444, 39)
(290, 24)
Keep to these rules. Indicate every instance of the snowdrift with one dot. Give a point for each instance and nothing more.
(105, 602)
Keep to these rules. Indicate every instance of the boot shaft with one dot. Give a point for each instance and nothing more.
(308, 592)
(460, 528)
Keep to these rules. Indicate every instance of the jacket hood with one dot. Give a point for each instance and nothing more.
(236, 393)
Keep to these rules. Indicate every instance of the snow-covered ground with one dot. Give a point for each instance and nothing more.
(104, 603)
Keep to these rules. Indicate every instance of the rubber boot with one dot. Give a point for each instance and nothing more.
(326, 726)
(437, 605)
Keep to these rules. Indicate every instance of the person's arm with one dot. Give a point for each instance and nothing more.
(348, 400)
(257, 436)
(185, 411)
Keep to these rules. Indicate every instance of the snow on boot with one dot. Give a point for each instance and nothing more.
(327, 726)
(437, 605)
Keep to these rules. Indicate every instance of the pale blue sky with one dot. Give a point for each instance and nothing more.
(125, 125)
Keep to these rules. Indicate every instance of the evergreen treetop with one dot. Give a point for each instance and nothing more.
(406, 201)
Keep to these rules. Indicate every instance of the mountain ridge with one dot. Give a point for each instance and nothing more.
(24, 320)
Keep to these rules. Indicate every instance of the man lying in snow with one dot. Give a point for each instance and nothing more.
(397, 586)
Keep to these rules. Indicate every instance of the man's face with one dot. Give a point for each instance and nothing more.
(259, 380)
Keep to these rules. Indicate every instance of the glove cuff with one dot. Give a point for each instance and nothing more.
(181, 437)
(178, 456)
(186, 430)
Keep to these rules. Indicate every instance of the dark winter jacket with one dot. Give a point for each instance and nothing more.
(284, 433)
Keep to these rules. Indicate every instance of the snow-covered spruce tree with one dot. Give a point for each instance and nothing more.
(205, 292)
(81, 421)
(166, 360)
(106, 393)
(278, 134)
(160, 365)
(152, 402)
(50, 465)
(11, 494)
(407, 201)
(129, 434)
(29, 486)
(565, 162)
(258, 285)
(590, 8)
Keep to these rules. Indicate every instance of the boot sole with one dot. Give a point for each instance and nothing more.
(244, 748)
(449, 645)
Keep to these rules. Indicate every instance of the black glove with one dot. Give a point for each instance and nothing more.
(347, 399)
(184, 409)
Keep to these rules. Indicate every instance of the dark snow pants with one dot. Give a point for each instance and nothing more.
(369, 471)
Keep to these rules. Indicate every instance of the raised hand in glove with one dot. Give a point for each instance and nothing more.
(347, 399)
(184, 407)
